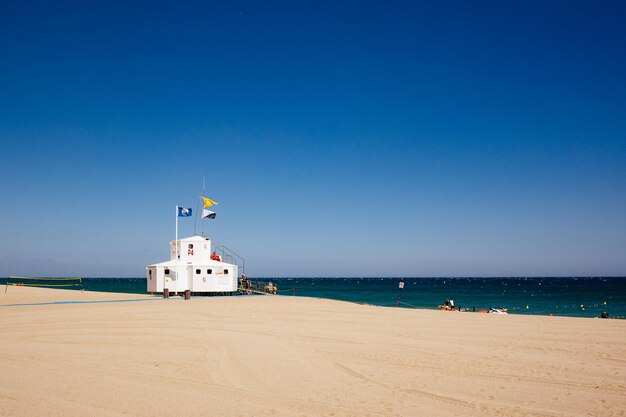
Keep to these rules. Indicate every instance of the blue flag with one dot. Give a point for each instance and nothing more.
(184, 212)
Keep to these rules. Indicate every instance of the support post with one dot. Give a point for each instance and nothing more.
(400, 286)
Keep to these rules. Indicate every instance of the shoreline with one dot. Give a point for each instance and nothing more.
(406, 306)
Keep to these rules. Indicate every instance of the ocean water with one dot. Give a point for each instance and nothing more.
(579, 297)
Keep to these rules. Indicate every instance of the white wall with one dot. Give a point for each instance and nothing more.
(217, 280)
(192, 249)
(183, 277)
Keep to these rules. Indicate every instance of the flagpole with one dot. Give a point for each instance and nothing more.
(203, 193)
(176, 241)
(195, 223)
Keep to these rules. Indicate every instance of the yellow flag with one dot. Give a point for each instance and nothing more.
(208, 202)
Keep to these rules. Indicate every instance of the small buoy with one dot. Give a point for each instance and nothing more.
(605, 303)
(550, 314)
(526, 307)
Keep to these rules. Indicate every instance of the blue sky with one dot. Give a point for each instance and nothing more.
(340, 138)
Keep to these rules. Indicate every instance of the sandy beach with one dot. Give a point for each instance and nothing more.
(292, 356)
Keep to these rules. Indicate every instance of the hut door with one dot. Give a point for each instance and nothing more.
(190, 278)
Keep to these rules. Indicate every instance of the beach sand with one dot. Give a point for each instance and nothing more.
(293, 356)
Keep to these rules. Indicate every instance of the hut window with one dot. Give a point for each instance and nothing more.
(190, 246)
(167, 272)
(198, 271)
(226, 271)
(209, 271)
(149, 271)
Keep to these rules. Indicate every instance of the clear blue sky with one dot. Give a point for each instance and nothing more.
(340, 138)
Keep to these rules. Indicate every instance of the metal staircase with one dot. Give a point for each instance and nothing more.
(229, 256)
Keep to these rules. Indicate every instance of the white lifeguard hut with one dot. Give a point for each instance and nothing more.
(192, 268)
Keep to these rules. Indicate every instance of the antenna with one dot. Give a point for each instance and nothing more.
(195, 224)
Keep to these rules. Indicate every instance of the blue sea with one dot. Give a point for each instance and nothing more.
(579, 297)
